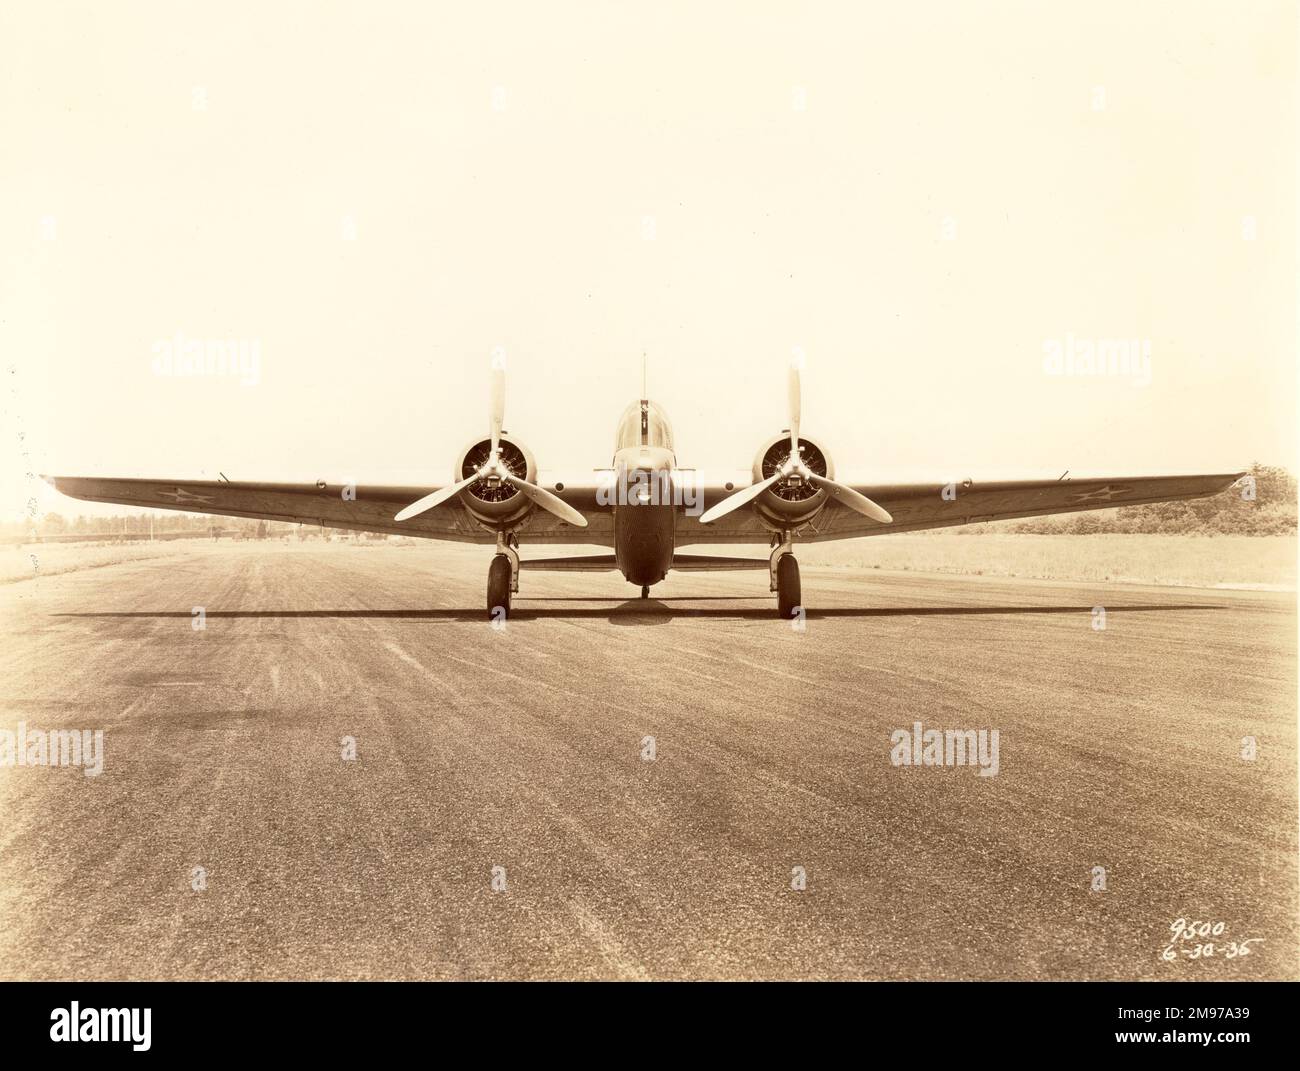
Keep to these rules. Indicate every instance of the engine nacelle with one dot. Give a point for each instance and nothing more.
(493, 501)
(791, 502)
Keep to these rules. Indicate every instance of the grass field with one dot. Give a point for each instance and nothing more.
(1199, 561)
(49, 559)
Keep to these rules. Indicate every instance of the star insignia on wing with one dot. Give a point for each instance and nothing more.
(1101, 494)
(183, 497)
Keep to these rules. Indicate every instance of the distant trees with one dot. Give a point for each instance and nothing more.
(139, 524)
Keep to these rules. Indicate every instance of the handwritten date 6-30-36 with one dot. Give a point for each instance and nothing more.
(1203, 940)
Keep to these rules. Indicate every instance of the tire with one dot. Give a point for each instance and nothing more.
(788, 595)
(498, 588)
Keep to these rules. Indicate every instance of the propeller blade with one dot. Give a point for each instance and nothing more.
(721, 509)
(498, 406)
(793, 396)
(548, 501)
(846, 496)
(436, 499)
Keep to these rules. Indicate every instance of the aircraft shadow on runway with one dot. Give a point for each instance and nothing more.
(630, 611)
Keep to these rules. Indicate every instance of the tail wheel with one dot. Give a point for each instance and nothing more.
(788, 595)
(498, 588)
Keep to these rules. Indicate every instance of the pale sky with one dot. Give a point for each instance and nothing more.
(919, 197)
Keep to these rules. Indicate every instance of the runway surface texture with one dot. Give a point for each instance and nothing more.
(525, 749)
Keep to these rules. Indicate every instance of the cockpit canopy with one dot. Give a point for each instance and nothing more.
(643, 423)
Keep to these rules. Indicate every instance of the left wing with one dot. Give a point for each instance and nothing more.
(358, 507)
(941, 504)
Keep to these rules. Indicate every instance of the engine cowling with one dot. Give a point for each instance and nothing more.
(493, 501)
(791, 502)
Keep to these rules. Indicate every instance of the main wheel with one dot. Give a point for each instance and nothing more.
(788, 595)
(498, 591)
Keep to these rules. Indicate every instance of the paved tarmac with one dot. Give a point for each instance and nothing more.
(525, 749)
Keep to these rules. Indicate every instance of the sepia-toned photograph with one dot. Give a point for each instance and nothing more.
(720, 492)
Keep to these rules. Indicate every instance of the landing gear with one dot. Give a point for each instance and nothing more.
(645, 591)
(498, 591)
(788, 595)
(784, 570)
(503, 576)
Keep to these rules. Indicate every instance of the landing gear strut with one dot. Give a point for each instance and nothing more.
(503, 576)
(784, 570)
(645, 591)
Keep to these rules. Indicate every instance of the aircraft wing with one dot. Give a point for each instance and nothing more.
(359, 507)
(941, 503)
(370, 507)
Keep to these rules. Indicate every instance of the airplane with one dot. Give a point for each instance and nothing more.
(644, 506)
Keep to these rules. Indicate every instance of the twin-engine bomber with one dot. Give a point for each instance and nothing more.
(644, 506)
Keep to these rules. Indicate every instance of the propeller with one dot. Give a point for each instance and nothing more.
(438, 497)
(493, 467)
(793, 399)
(497, 402)
(794, 466)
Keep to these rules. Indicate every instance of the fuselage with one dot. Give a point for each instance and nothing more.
(644, 514)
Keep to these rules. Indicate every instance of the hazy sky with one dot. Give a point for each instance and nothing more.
(920, 197)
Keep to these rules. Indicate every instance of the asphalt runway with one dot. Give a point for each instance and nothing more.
(522, 749)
